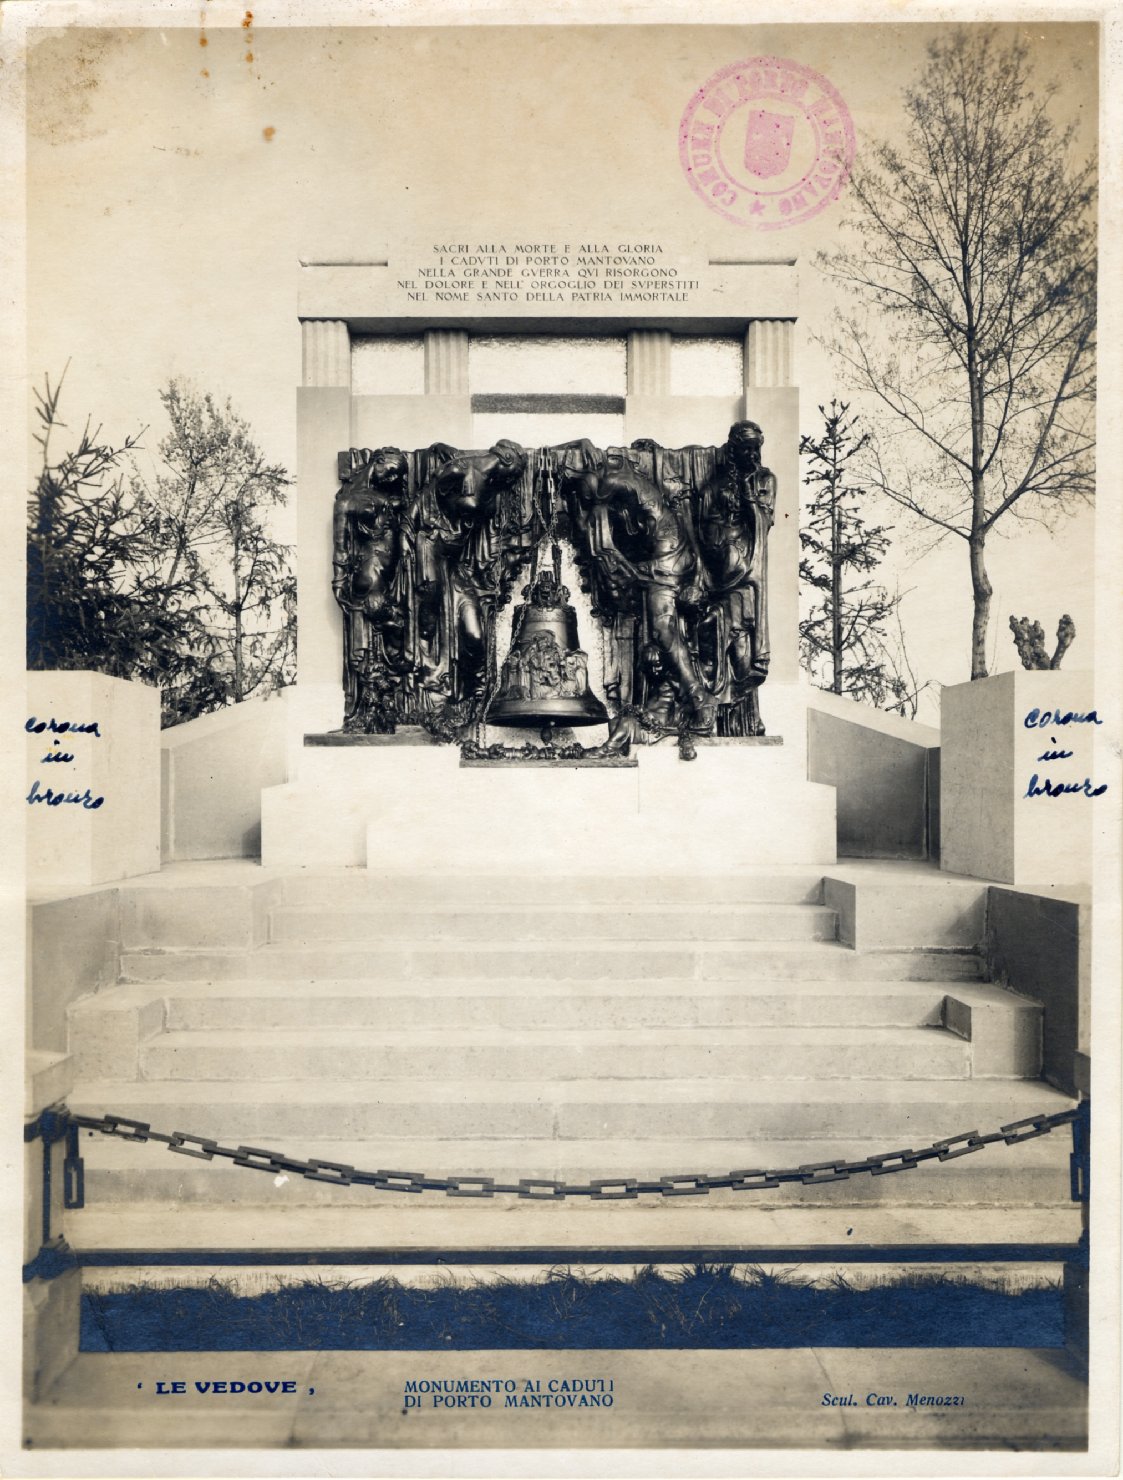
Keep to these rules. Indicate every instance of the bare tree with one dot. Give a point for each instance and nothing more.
(973, 314)
(215, 492)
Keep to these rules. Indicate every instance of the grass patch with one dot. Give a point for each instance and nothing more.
(703, 1306)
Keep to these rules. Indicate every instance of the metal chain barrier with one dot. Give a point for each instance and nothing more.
(812, 1174)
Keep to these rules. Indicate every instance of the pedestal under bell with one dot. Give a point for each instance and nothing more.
(545, 678)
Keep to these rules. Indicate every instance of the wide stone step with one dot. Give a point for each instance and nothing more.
(256, 1112)
(557, 1054)
(682, 1228)
(1031, 1173)
(660, 1003)
(340, 888)
(691, 960)
(566, 925)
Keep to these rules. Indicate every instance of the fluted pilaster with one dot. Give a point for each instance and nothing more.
(649, 362)
(446, 362)
(768, 353)
(326, 352)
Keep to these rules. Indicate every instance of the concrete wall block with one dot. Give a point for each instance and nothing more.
(991, 827)
(74, 949)
(676, 421)
(72, 844)
(842, 897)
(1004, 1031)
(214, 770)
(403, 421)
(933, 795)
(881, 782)
(977, 763)
(48, 1079)
(108, 1029)
(51, 1319)
(1038, 945)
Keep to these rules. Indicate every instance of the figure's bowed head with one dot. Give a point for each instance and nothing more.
(387, 467)
(745, 441)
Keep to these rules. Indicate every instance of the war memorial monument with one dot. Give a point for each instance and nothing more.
(553, 919)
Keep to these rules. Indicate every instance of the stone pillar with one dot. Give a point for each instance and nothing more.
(78, 844)
(768, 352)
(649, 362)
(772, 400)
(446, 362)
(991, 825)
(326, 346)
(323, 431)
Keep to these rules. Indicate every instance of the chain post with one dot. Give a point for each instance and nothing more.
(1080, 1156)
(73, 1171)
(49, 1127)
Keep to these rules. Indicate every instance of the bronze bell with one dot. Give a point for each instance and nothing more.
(545, 679)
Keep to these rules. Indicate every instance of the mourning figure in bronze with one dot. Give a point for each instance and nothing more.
(642, 551)
(454, 532)
(736, 509)
(366, 561)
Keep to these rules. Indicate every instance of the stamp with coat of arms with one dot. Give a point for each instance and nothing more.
(766, 143)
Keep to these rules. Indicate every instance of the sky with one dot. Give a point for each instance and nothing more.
(176, 175)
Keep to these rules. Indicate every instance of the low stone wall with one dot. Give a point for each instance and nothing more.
(1039, 945)
(886, 774)
(73, 948)
(75, 941)
(213, 770)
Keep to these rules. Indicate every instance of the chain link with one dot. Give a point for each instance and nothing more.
(606, 1189)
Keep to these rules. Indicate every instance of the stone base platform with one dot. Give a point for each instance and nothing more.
(411, 808)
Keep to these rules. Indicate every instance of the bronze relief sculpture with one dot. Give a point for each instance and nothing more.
(369, 580)
(670, 544)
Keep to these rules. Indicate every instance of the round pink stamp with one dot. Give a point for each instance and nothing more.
(766, 143)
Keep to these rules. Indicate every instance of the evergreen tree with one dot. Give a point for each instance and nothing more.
(96, 596)
(845, 643)
(178, 584)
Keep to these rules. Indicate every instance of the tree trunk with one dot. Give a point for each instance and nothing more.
(980, 581)
(980, 620)
(239, 669)
(836, 595)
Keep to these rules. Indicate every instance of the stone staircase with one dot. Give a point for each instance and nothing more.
(564, 1028)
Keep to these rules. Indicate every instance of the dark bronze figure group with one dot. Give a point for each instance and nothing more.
(670, 544)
